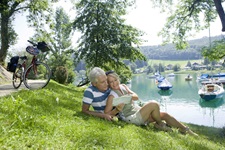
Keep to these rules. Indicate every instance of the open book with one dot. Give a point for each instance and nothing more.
(126, 99)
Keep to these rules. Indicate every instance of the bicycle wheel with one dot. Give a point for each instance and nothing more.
(83, 82)
(17, 78)
(37, 76)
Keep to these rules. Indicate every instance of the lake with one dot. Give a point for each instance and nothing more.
(182, 101)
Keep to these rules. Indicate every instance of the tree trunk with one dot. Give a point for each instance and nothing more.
(220, 11)
(4, 37)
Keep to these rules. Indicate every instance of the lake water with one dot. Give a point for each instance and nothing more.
(182, 101)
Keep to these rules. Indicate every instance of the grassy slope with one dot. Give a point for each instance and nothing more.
(51, 118)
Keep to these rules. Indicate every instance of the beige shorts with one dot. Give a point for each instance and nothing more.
(135, 119)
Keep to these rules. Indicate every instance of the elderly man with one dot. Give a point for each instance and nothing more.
(96, 94)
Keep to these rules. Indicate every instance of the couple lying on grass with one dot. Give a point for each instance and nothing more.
(106, 86)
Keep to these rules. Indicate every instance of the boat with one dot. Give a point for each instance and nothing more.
(203, 77)
(188, 78)
(165, 85)
(159, 79)
(206, 77)
(214, 80)
(211, 91)
(155, 75)
(171, 75)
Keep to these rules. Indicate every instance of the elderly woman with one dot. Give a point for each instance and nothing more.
(150, 112)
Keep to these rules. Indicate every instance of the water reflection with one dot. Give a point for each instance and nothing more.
(165, 92)
(211, 107)
(165, 97)
(211, 104)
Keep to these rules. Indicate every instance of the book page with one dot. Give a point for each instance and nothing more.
(126, 99)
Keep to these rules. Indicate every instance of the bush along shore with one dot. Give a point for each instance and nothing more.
(51, 118)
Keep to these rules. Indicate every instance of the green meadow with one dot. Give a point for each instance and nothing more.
(51, 118)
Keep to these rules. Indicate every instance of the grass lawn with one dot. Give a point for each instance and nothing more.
(51, 118)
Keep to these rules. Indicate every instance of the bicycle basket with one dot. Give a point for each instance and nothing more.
(43, 46)
(32, 50)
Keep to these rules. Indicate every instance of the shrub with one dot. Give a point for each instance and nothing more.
(61, 74)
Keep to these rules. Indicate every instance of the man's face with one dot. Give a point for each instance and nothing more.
(102, 84)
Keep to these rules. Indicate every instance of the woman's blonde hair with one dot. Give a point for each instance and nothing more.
(114, 75)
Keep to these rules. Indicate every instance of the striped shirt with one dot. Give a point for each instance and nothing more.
(96, 98)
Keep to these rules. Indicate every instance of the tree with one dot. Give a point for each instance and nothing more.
(106, 40)
(186, 17)
(215, 51)
(150, 69)
(188, 64)
(60, 41)
(176, 67)
(161, 68)
(9, 8)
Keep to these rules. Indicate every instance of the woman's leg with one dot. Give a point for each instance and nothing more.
(151, 112)
(170, 120)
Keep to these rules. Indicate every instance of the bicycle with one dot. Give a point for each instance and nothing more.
(37, 75)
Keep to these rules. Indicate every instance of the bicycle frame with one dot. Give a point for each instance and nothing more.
(33, 62)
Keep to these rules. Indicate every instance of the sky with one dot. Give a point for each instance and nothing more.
(143, 17)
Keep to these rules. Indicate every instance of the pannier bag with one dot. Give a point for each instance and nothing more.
(32, 50)
(13, 64)
(43, 46)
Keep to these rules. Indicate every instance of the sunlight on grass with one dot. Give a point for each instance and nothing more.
(51, 118)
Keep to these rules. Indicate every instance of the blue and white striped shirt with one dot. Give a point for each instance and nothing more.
(96, 98)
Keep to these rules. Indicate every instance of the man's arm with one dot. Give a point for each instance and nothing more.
(86, 107)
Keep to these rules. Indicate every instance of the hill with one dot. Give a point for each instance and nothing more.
(51, 118)
(169, 51)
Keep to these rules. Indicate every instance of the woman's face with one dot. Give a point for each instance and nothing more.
(113, 82)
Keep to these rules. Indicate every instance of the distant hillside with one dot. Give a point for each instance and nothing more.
(169, 52)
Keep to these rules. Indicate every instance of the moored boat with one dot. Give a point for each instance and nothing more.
(206, 77)
(171, 75)
(165, 85)
(188, 78)
(211, 91)
(159, 79)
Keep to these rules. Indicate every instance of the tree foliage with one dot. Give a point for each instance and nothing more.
(38, 14)
(215, 51)
(59, 37)
(188, 16)
(106, 40)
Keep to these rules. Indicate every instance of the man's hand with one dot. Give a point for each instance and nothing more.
(107, 117)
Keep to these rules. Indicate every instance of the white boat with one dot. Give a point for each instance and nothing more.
(171, 75)
(165, 85)
(155, 75)
(188, 78)
(211, 91)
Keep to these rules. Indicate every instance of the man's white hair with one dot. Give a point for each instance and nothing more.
(95, 73)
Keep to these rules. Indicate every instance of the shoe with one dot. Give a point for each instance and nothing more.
(188, 131)
(163, 127)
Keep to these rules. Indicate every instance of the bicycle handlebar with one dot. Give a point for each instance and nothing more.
(34, 44)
